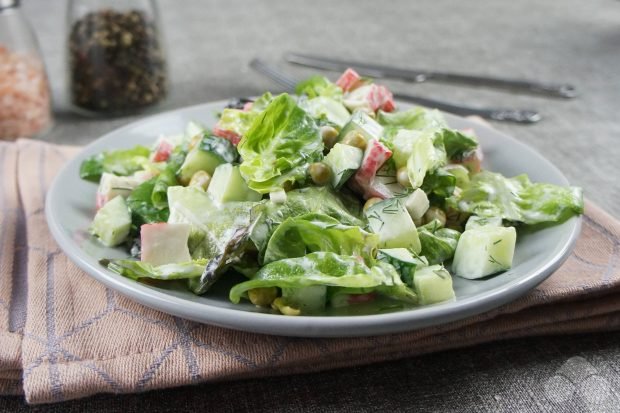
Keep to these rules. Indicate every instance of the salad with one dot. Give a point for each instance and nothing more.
(327, 199)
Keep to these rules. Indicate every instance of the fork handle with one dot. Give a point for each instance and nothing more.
(498, 114)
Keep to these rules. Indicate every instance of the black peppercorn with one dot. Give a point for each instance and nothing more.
(116, 62)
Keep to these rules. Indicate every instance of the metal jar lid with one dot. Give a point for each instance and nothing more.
(7, 4)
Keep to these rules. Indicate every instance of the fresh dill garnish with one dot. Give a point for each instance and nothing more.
(391, 208)
(375, 215)
(492, 260)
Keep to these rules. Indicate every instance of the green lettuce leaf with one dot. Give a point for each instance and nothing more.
(277, 149)
(212, 225)
(416, 118)
(438, 244)
(176, 271)
(316, 86)
(167, 178)
(240, 121)
(140, 203)
(322, 200)
(326, 110)
(121, 162)
(458, 143)
(233, 253)
(439, 182)
(298, 236)
(328, 269)
(428, 154)
(517, 199)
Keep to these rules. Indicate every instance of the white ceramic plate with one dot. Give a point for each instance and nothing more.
(70, 207)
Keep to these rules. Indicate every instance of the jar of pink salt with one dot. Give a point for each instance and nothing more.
(25, 107)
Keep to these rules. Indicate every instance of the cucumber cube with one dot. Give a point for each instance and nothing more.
(278, 197)
(227, 185)
(433, 285)
(392, 222)
(112, 222)
(417, 204)
(364, 124)
(210, 152)
(307, 299)
(403, 260)
(402, 146)
(111, 186)
(476, 222)
(484, 251)
(344, 161)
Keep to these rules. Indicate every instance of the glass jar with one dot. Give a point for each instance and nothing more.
(25, 108)
(116, 59)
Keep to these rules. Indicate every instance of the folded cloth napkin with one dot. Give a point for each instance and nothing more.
(63, 335)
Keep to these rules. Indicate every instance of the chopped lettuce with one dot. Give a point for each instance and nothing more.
(458, 143)
(428, 154)
(121, 162)
(167, 178)
(140, 203)
(316, 86)
(297, 236)
(416, 118)
(240, 121)
(232, 253)
(213, 225)
(517, 199)
(281, 143)
(176, 271)
(440, 182)
(438, 244)
(329, 269)
(302, 201)
(326, 110)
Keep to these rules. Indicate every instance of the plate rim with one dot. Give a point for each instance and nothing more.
(305, 326)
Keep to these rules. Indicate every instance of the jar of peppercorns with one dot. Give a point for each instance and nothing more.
(116, 59)
(25, 104)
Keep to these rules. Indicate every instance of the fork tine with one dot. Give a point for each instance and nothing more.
(273, 73)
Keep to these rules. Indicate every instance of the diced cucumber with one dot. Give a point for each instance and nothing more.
(164, 243)
(278, 196)
(210, 152)
(392, 222)
(228, 185)
(364, 124)
(484, 251)
(112, 222)
(460, 173)
(307, 299)
(417, 204)
(111, 186)
(358, 99)
(343, 160)
(433, 285)
(402, 146)
(475, 221)
(403, 260)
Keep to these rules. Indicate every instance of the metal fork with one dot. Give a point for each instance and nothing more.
(505, 115)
